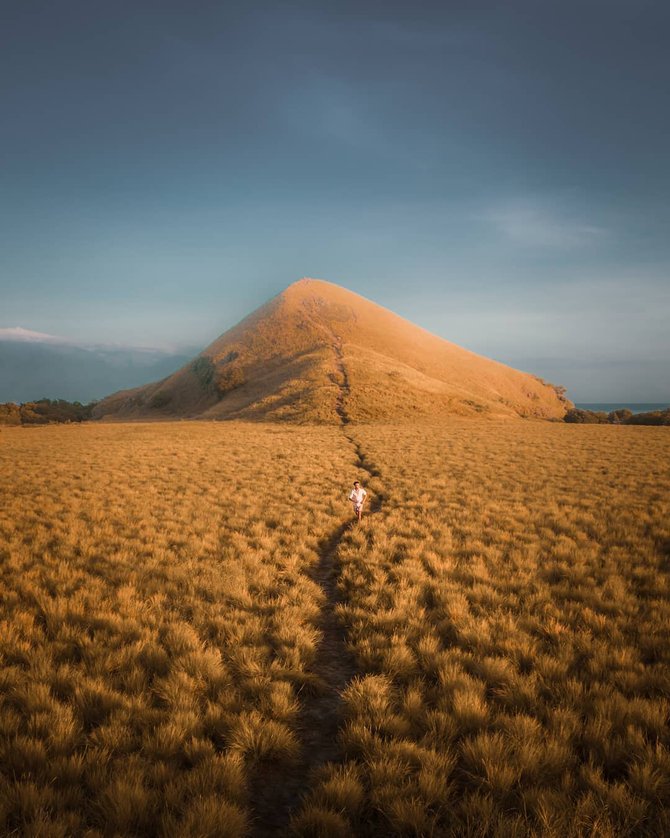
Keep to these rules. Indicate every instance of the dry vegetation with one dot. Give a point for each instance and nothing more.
(276, 365)
(157, 620)
(510, 617)
(507, 608)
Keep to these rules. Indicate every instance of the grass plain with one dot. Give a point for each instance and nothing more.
(506, 608)
(158, 619)
(510, 618)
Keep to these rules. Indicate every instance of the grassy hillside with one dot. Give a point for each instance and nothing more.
(285, 362)
(182, 604)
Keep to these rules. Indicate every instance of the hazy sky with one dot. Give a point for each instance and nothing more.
(497, 172)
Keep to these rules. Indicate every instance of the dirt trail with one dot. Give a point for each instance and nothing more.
(277, 792)
(341, 378)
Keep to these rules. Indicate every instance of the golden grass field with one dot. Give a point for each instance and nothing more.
(165, 632)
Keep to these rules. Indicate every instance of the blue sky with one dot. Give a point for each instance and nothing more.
(498, 173)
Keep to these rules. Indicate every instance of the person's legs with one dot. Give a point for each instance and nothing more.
(359, 511)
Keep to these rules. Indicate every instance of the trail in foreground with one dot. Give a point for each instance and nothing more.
(278, 791)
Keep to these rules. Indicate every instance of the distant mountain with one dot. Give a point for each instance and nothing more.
(35, 366)
(320, 353)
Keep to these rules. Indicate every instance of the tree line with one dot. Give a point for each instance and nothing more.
(623, 416)
(44, 412)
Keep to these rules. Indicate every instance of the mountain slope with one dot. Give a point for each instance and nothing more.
(318, 352)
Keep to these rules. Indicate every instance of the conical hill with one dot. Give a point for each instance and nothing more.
(320, 353)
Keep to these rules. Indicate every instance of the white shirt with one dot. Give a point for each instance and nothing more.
(357, 495)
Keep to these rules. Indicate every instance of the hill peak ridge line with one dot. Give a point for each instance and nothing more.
(312, 290)
(277, 365)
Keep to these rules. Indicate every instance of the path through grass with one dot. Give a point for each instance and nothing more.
(277, 796)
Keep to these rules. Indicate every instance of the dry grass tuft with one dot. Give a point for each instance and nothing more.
(158, 619)
(508, 610)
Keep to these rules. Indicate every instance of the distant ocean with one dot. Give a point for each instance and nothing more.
(608, 407)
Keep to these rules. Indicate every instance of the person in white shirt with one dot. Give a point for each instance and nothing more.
(357, 497)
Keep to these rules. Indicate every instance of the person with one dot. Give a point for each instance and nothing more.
(357, 497)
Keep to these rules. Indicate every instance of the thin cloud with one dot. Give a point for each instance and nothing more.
(534, 226)
(17, 334)
(20, 335)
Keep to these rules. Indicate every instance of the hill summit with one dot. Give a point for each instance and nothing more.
(320, 353)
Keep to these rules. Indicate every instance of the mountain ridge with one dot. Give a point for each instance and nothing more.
(285, 362)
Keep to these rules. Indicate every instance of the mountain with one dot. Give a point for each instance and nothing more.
(35, 365)
(319, 353)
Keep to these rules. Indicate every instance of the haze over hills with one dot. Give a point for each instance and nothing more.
(320, 353)
(34, 365)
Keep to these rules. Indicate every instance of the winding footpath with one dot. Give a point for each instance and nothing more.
(277, 792)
